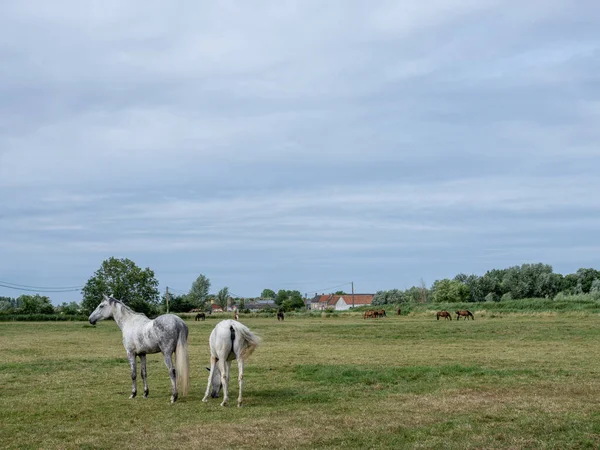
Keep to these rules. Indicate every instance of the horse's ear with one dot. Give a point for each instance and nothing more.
(105, 297)
(207, 369)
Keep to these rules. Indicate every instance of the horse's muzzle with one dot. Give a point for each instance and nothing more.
(93, 322)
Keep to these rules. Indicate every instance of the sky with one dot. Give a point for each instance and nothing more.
(297, 145)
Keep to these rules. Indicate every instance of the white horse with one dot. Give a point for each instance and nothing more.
(229, 340)
(166, 334)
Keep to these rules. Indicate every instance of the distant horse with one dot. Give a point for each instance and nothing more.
(229, 340)
(398, 311)
(445, 314)
(368, 314)
(381, 312)
(465, 313)
(167, 334)
(200, 316)
(280, 315)
(236, 315)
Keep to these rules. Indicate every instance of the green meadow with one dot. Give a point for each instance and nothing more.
(507, 380)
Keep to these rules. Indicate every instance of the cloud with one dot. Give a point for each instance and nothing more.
(321, 141)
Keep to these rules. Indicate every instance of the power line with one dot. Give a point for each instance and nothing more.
(332, 287)
(38, 287)
(49, 291)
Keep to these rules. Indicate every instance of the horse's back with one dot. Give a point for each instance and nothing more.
(165, 331)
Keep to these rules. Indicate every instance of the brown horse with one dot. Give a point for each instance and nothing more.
(398, 312)
(200, 316)
(280, 315)
(370, 314)
(445, 314)
(465, 313)
(381, 312)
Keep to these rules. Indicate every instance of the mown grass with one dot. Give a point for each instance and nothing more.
(517, 381)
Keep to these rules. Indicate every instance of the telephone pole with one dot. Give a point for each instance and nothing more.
(167, 298)
(353, 294)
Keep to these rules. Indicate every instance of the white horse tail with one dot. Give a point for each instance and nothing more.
(249, 340)
(182, 364)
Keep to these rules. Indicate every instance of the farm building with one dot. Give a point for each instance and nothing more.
(338, 302)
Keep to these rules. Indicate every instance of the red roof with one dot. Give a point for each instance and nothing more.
(332, 299)
(359, 299)
(216, 307)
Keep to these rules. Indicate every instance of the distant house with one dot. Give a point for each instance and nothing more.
(339, 302)
(216, 308)
(260, 305)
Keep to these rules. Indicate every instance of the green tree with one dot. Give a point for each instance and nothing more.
(70, 309)
(222, 298)
(242, 304)
(124, 280)
(282, 295)
(267, 293)
(198, 294)
(444, 291)
(340, 293)
(178, 303)
(36, 304)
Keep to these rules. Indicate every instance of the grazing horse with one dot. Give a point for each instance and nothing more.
(368, 314)
(398, 311)
(381, 312)
(465, 313)
(200, 316)
(167, 334)
(229, 340)
(280, 315)
(445, 314)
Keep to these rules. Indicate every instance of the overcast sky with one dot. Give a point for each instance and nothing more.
(297, 145)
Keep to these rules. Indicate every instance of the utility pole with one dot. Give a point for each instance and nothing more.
(353, 294)
(167, 298)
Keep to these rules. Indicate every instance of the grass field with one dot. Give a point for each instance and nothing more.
(516, 381)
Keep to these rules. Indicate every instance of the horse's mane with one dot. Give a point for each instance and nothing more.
(127, 308)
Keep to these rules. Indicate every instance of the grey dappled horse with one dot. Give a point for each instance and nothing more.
(166, 334)
(229, 340)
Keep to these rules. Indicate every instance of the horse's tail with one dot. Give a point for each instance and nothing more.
(249, 340)
(182, 364)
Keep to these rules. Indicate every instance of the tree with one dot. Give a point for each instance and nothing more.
(340, 293)
(446, 291)
(36, 304)
(70, 309)
(282, 295)
(199, 291)
(124, 280)
(178, 303)
(242, 305)
(267, 293)
(222, 298)
(393, 296)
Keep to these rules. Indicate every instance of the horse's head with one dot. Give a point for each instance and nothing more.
(102, 311)
(215, 382)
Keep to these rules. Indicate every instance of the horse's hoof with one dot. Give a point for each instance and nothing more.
(146, 392)
(205, 400)
(239, 405)
(133, 395)
(223, 404)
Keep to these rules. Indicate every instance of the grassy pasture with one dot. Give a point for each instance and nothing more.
(514, 381)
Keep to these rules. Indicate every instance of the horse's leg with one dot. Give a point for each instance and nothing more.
(213, 363)
(132, 363)
(224, 366)
(240, 380)
(172, 374)
(143, 364)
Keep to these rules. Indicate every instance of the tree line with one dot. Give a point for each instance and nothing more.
(138, 288)
(513, 283)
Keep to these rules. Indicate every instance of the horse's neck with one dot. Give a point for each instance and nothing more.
(124, 316)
